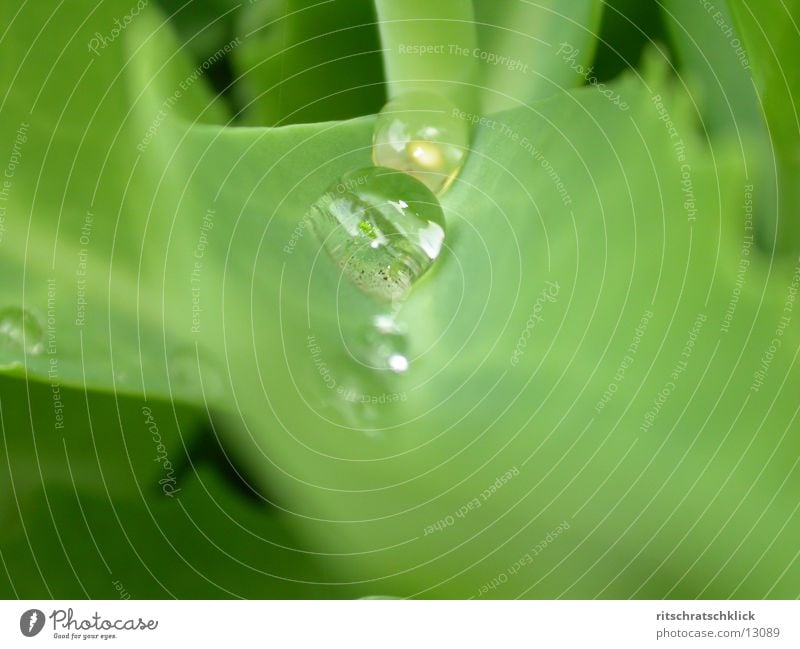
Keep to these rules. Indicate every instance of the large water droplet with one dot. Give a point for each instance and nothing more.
(422, 134)
(382, 227)
(21, 333)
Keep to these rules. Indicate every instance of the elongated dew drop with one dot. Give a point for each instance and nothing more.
(423, 134)
(21, 334)
(386, 345)
(382, 227)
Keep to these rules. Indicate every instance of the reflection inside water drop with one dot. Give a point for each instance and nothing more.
(21, 333)
(386, 345)
(398, 363)
(382, 227)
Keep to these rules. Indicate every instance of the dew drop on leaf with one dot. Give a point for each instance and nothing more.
(382, 227)
(385, 346)
(21, 333)
(423, 134)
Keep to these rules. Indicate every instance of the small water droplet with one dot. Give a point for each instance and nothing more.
(422, 134)
(385, 345)
(21, 333)
(382, 227)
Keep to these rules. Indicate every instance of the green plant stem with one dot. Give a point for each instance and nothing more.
(769, 36)
(531, 50)
(428, 45)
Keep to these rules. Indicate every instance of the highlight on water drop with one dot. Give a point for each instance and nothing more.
(382, 227)
(422, 134)
(383, 346)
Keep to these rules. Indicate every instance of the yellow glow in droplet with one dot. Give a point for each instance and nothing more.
(426, 154)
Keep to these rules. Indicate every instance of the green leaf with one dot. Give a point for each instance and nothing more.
(86, 511)
(573, 219)
(713, 67)
(430, 47)
(308, 61)
(532, 50)
(202, 25)
(577, 192)
(769, 33)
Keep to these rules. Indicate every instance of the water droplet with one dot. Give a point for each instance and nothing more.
(382, 227)
(21, 333)
(422, 134)
(378, 597)
(385, 345)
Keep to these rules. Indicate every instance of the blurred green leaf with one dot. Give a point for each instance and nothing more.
(533, 50)
(308, 61)
(430, 47)
(770, 40)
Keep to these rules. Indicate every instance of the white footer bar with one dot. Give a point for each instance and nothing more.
(402, 624)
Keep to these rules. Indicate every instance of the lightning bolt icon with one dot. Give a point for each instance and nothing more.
(32, 621)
